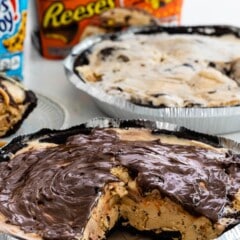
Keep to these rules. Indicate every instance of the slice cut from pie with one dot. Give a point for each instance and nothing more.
(16, 103)
(79, 183)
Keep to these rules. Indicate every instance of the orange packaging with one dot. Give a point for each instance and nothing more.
(62, 24)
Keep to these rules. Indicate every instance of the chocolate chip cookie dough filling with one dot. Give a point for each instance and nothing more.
(15, 105)
(166, 70)
(78, 183)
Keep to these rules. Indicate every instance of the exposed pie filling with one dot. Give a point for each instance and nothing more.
(15, 105)
(52, 189)
(162, 70)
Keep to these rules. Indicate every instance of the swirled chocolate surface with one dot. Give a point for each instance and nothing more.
(51, 191)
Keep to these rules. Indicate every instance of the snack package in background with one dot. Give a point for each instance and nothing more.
(13, 18)
(62, 24)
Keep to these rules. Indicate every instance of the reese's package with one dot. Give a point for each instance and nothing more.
(63, 23)
(13, 17)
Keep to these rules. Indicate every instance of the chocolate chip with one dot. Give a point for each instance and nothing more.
(158, 95)
(123, 58)
(197, 105)
(96, 189)
(82, 59)
(127, 18)
(108, 220)
(190, 104)
(162, 3)
(224, 68)
(106, 52)
(211, 92)
(188, 65)
(40, 202)
(119, 89)
(227, 71)
(212, 64)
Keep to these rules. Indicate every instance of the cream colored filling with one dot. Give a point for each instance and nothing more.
(105, 215)
(170, 70)
(10, 117)
(145, 213)
(15, 90)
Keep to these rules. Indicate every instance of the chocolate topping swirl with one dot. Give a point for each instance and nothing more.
(52, 190)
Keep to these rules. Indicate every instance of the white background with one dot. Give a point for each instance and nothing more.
(48, 78)
(211, 12)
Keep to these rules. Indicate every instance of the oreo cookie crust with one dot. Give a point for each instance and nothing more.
(78, 183)
(16, 103)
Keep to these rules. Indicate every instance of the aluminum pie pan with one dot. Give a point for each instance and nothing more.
(164, 127)
(220, 120)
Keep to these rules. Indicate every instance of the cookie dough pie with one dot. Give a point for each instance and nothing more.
(78, 183)
(166, 70)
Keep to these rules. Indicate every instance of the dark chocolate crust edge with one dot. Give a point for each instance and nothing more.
(60, 136)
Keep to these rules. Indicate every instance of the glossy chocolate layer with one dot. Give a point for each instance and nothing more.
(52, 191)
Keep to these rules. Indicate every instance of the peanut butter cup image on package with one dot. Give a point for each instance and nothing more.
(16, 103)
(166, 67)
(80, 182)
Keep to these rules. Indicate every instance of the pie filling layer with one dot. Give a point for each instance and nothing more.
(162, 70)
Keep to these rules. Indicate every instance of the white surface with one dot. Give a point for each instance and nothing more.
(48, 77)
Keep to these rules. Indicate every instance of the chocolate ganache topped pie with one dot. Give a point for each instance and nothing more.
(78, 183)
(16, 103)
(168, 67)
